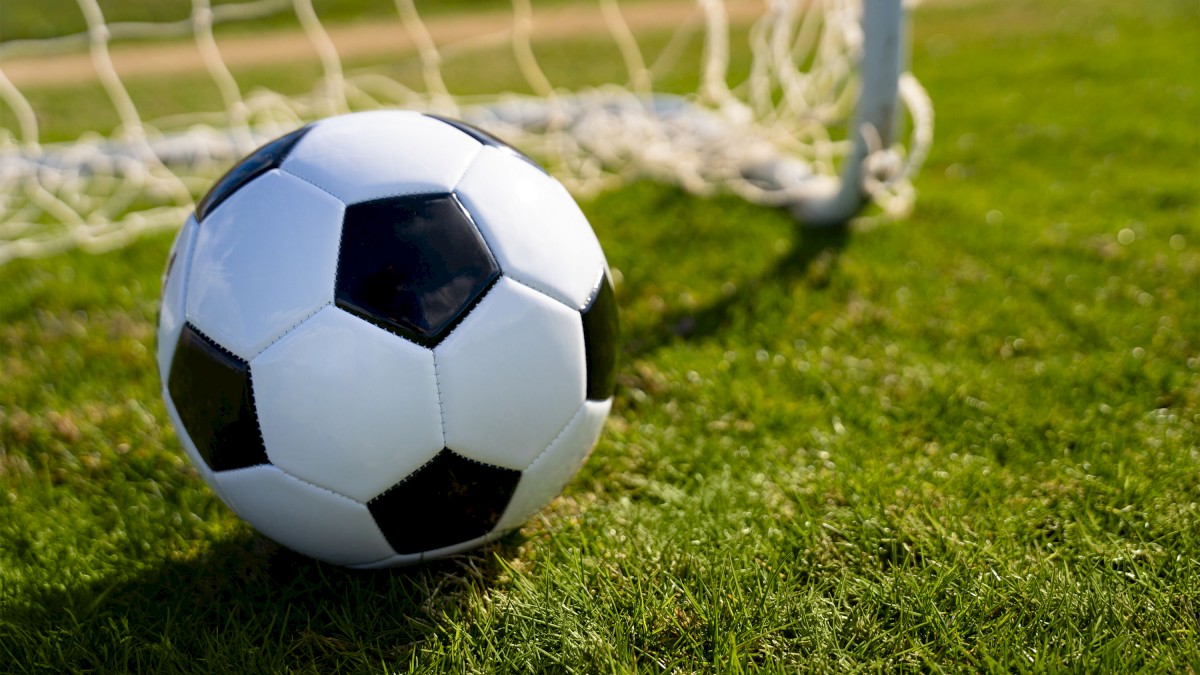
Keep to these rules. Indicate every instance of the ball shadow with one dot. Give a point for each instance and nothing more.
(261, 605)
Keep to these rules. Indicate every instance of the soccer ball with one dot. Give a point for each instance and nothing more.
(387, 337)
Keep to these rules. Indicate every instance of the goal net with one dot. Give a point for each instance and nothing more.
(800, 104)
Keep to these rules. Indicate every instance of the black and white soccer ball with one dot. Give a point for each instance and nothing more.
(387, 337)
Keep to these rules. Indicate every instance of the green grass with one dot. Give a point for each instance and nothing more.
(964, 442)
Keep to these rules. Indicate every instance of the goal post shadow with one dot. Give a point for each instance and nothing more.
(810, 260)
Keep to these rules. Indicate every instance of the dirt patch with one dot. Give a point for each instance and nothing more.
(355, 41)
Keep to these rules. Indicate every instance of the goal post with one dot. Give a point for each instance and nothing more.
(826, 122)
(873, 126)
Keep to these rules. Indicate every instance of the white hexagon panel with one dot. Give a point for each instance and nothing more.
(311, 519)
(382, 153)
(174, 295)
(264, 260)
(533, 226)
(552, 470)
(512, 375)
(338, 380)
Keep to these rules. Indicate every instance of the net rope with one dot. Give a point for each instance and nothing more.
(777, 137)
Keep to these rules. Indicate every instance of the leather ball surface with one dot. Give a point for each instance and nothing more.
(387, 337)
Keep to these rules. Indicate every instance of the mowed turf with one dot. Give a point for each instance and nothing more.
(964, 442)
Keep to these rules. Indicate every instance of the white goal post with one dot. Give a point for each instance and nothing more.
(827, 121)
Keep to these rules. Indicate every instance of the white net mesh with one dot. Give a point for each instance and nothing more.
(786, 134)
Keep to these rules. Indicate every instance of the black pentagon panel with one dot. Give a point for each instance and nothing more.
(601, 334)
(414, 265)
(212, 392)
(449, 500)
(254, 165)
(487, 139)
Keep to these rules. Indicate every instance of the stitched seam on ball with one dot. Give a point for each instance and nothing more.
(437, 385)
(207, 338)
(448, 331)
(467, 168)
(299, 480)
(582, 409)
(401, 195)
(491, 247)
(549, 293)
(257, 419)
(407, 478)
(480, 462)
(306, 180)
(290, 329)
(429, 461)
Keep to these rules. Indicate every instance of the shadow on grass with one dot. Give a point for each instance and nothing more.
(810, 260)
(254, 607)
